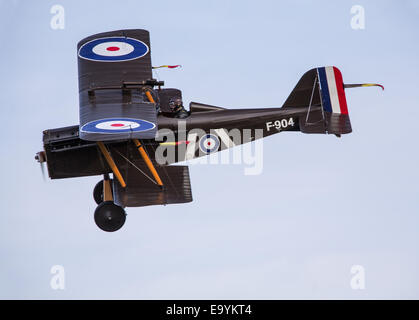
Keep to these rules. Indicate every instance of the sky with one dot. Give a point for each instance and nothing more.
(321, 205)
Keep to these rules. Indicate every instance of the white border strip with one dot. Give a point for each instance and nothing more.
(333, 91)
(225, 138)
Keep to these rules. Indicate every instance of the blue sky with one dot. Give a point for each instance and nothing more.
(320, 206)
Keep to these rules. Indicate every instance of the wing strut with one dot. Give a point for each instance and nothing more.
(148, 162)
(144, 154)
(111, 163)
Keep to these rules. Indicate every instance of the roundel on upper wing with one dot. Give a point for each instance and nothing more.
(209, 143)
(113, 49)
(117, 125)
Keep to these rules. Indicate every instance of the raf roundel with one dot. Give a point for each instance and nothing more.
(117, 125)
(209, 143)
(113, 49)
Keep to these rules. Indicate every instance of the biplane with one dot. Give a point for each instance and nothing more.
(127, 126)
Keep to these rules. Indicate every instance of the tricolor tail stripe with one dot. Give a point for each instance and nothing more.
(332, 90)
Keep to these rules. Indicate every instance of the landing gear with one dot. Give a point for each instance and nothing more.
(98, 191)
(109, 216)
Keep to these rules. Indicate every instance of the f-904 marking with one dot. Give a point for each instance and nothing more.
(280, 124)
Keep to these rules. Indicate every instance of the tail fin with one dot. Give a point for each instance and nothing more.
(322, 91)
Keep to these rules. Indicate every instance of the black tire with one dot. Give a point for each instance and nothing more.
(98, 191)
(109, 217)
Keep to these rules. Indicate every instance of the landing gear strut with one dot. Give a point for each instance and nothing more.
(98, 191)
(108, 216)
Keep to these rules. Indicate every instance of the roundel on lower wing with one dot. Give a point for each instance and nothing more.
(113, 49)
(117, 125)
(209, 143)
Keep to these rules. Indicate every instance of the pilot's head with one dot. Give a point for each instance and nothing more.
(175, 103)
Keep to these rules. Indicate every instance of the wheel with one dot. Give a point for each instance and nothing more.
(109, 217)
(98, 191)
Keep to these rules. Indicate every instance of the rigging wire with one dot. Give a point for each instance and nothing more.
(167, 175)
(136, 167)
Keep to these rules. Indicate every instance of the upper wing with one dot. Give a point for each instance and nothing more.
(114, 70)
